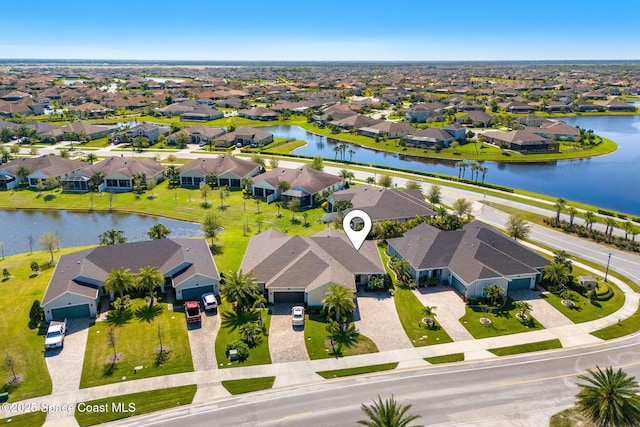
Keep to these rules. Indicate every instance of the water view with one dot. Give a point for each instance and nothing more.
(601, 181)
(79, 229)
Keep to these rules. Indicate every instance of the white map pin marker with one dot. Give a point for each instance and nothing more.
(357, 238)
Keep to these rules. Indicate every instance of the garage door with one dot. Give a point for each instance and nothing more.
(517, 284)
(289, 297)
(194, 294)
(73, 311)
(458, 286)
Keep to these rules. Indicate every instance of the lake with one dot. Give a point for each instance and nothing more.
(609, 181)
(79, 229)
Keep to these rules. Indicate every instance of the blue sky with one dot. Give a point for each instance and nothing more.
(321, 30)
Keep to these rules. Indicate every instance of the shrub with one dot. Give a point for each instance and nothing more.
(241, 347)
(376, 283)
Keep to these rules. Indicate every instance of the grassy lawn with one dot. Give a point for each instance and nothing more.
(569, 418)
(409, 310)
(585, 311)
(357, 371)
(248, 385)
(137, 340)
(526, 348)
(137, 403)
(22, 340)
(32, 419)
(285, 148)
(504, 321)
(229, 332)
(448, 358)
(319, 346)
(620, 329)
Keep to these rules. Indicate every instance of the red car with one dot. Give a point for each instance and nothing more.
(192, 311)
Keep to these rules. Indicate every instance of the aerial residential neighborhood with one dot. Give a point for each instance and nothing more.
(321, 215)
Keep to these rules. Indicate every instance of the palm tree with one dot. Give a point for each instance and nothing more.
(572, 214)
(484, 171)
(628, 228)
(283, 186)
(474, 170)
(119, 281)
(434, 195)
(611, 224)
(559, 205)
(387, 413)
(91, 158)
(158, 231)
(346, 174)
(589, 219)
(149, 279)
(351, 153)
(429, 312)
(338, 300)
(462, 207)
(250, 332)
(495, 293)
(95, 180)
(557, 273)
(23, 172)
(112, 237)
(239, 288)
(523, 308)
(609, 398)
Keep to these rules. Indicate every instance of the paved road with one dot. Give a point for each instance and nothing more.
(521, 391)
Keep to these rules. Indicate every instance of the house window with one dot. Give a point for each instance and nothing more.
(112, 182)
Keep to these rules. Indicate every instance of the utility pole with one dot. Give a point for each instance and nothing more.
(606, 272)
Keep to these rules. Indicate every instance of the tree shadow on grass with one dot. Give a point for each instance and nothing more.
(119, 317)
(109, 369)
(147, 313)
(233, 320)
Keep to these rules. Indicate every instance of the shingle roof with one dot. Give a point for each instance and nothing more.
(220, 165)
(475, 252)
(282, 261)
(305, 177)
(178, 258)
(126, 166)
(385, 203)
(50, 165)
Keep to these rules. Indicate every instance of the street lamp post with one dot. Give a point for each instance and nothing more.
(606, 272)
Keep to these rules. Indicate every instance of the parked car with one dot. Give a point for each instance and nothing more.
(209, 302)
(55, 335)
(192, 311)
(297, 316)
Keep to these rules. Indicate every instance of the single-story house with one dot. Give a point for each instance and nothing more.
(118, 174)
(520, 140)
(387, 129)
(245, 135)
(475, 119)
(200, 135)
(202, 113)
(295, 269)
(40, 168)
(77, 283)
(24, 107)
(147, 130)
(79, 128)
(555, 129)
(429, 137)
(355, 121)
(617, 105)
(228, 170)
(258, 114)
(517, 107)
(304, 183)
(383, 203)
(469, 260)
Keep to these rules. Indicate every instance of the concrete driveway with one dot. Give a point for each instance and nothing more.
(449, 309)
(202, 338)
(541, 310)
(376, 318)
(65, 365)
(286, 343)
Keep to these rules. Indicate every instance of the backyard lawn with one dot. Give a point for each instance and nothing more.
(23, 341)
(137, 343)
(504, 321)
(230, 332)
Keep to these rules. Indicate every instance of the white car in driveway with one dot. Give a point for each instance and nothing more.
(55, 335)
(209, 302)
(297, 316)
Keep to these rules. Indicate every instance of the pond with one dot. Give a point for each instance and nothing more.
(77, 229)
(601, 181)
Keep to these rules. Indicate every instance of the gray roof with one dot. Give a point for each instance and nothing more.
(385, 203)
(282, 261)
(175, 258)
(50, 165)
(475, 252)
(304, 177)
(126, 166)
(220, 165)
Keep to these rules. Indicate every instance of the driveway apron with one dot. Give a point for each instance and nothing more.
(202, 338)
(449, 309)
(286, 343)
(376, 318)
